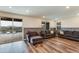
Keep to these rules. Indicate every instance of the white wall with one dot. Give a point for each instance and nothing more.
(32, 22)
(28, 22)
(52, 23)
(70, 22)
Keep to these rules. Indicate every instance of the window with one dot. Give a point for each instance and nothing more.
(6, 25)
(45, 25)
(10, 29)
(17, 23)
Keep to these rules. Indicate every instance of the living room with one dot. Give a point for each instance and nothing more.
(39, 29)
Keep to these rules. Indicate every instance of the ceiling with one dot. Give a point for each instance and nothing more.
(39, 11)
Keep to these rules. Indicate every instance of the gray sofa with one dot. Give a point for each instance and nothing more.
(74, 35)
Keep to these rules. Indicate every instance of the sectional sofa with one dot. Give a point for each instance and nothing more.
(74, 35)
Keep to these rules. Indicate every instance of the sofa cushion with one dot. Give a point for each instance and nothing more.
(76, 34)
(62, 32)
(32, 34)
(35, 37)
(68, 33)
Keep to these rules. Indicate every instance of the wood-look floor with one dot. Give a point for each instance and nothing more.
(14, 47)
(55, 45)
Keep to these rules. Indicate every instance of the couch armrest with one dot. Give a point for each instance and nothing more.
(27, 38)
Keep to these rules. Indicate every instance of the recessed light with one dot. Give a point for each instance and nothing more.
(43, 16)
(27, 11)
(10, 6)
(78, 14)
(67, 7)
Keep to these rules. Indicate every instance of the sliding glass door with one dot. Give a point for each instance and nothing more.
(6, 25)
(17, 24)
(17, 29)
(10, 29)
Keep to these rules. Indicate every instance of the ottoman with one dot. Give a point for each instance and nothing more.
(36, 40)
